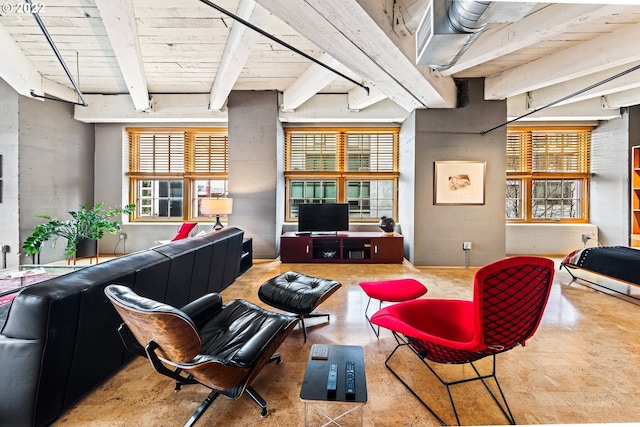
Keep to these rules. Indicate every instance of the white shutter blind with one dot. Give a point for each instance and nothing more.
(156, 152)
(371, 151)
(208, 152)
(312, 151)
(561, 151)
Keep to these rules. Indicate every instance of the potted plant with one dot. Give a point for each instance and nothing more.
(85, 224)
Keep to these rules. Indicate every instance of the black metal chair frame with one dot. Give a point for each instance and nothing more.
(366, 314)
(502, 403)
(311, 315)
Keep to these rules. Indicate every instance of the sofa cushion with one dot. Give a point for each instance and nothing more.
(184, 230)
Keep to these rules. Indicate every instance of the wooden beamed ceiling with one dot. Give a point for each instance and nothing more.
(155, 60)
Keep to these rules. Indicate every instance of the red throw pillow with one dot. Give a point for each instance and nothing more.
(184, 230)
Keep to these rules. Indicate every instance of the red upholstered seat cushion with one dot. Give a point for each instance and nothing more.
(184, 230)
(394, 290)
(445, 322)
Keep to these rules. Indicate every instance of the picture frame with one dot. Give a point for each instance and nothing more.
(459, 182)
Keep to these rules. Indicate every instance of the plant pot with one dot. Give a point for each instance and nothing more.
(86, 248)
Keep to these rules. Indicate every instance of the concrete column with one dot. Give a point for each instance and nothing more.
(255, 169)
(455, 134)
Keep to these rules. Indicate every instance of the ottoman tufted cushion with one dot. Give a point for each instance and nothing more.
(297, 293)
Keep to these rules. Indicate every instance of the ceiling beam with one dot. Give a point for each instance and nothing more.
(359, 99)
(565, 65)
(120, 24)
(236, 51)
(546, 95)
(332, 108)
(310, 82)
(590, 109)
(621, 99)
(535, 27)
(167, 108)
(338, 26)
(15, 68)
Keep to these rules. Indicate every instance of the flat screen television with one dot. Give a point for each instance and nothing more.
(317, 217)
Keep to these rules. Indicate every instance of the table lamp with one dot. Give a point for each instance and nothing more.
(216, 207)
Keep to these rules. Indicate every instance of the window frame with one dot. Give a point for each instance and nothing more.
(523, 156)
(341, 175)
(197, 166)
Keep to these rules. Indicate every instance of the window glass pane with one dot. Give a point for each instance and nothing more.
(207, 188)
(159, 199)
(370, 199)
(311, 191)
(556, 198)
(514, 199)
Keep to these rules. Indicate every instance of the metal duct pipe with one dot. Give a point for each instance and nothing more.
(449, 27)
(465, 14)
(464, 17)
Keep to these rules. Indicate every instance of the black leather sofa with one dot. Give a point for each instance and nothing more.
(60, 336)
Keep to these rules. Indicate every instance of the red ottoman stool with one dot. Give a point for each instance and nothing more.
(391, 291)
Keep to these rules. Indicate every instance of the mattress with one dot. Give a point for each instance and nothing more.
(618, 262)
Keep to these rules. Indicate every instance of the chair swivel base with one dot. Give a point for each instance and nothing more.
(250, 391)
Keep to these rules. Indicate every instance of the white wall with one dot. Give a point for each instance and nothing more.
(542, 239)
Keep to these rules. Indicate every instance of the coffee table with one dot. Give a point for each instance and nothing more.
(314, 384)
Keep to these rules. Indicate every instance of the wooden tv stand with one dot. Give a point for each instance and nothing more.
(344, 247)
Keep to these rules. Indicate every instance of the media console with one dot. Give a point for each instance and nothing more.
(346, 247)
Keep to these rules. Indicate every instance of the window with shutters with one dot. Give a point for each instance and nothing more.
(172, 170)
(548, 173)
(354, 166)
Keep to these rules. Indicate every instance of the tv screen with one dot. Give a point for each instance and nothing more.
(323, 217)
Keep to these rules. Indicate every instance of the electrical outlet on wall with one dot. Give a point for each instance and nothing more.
(466, 246)
(123, 236)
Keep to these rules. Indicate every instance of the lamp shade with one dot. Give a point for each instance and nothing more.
(216, 206)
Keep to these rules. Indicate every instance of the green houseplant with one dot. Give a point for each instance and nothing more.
(84, 224)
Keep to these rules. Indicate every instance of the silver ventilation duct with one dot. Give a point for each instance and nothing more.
(449, 27)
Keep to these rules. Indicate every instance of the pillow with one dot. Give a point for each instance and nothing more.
(184, 230)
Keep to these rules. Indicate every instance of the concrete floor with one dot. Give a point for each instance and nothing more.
(582, 366)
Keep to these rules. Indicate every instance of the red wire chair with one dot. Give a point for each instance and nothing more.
(509, 299)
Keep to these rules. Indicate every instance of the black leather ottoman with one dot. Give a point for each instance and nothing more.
(298, 293)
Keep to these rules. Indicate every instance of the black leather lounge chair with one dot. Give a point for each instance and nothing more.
(222, 347)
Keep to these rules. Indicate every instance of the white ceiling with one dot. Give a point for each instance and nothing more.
(179, 59)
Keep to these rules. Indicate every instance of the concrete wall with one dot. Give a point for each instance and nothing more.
(56, 163)
(443, 135)
(255, 168)
(610, 182)
(9, 149)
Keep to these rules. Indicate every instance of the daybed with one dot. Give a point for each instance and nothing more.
(616, 262)
(60, 338)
